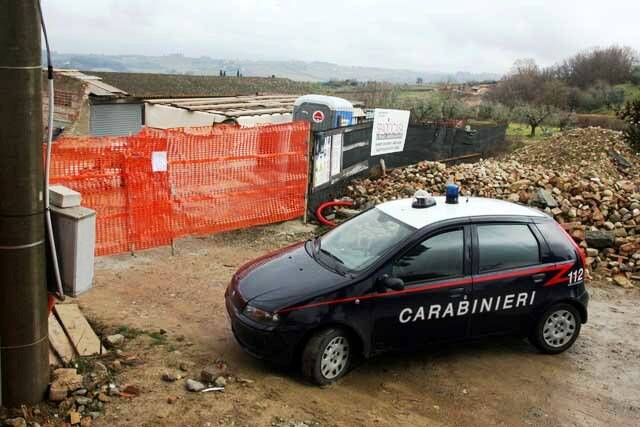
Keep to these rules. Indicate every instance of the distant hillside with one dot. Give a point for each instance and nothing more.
(147, 85)
(296, 70)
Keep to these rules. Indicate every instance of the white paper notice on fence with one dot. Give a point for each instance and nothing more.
(322, 163)
(159, 161)
(389, 131)
(336, 154)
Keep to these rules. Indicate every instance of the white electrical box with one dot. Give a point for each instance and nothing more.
(75, 236)
(64, 197)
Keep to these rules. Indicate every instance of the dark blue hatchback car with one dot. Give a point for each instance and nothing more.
(409, 273)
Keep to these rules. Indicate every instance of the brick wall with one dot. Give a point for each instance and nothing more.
(71, 104)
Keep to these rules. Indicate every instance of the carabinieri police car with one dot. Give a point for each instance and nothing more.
(408, 273)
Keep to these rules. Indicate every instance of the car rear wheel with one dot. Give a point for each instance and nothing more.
(327, 356)
(557, 329)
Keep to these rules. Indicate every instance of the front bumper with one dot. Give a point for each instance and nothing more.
(261, 342)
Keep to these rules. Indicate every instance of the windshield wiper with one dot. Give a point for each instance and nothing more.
(316, 248)
(324, 251)
(338, 264)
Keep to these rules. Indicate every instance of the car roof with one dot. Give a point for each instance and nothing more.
(466, 207)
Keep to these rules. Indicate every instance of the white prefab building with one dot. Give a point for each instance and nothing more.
(243, 110)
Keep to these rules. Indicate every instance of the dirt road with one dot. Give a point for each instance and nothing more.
(501, 382)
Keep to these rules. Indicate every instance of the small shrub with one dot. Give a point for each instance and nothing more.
(635, 76)
(565, 120)
(600, 120)
(631, 115)
(158, 338)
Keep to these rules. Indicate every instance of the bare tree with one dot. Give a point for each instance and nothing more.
(613, 65)
(523, 84)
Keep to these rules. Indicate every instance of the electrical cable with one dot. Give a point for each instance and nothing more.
(47, 164)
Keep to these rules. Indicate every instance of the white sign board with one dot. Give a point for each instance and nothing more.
(389, 131)
(322, 163)
(159, 161)
(336, 154)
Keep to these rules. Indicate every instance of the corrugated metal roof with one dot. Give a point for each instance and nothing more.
(233, 106)
(96, 86)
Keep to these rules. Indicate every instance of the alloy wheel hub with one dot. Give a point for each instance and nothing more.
(559, 328)
(335, 357)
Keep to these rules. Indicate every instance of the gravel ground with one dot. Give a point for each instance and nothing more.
(497, 382)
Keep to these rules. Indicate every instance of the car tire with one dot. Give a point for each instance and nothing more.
(327, 356)
(557, 329)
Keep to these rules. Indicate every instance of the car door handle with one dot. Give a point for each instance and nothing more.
(539, 278)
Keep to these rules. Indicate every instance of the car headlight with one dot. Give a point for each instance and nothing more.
(261, 316)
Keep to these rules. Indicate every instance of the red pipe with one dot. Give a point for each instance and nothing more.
(325, 205)
(51, 301)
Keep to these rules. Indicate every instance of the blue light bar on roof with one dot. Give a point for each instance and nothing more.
(452, 193)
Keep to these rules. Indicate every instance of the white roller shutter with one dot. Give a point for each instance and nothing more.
(115, 119)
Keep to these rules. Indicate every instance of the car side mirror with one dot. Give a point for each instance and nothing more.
(392, 283)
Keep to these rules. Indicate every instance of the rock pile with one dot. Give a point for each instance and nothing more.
(587, 179)
(78, 395)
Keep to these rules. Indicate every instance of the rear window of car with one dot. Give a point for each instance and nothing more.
(504, 246)
(557, 240)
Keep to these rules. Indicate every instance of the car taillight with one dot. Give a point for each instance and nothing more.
(579, 250)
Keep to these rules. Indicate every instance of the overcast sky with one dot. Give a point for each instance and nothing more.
(424, 35)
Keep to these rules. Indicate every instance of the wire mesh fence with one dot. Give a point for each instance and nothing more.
(158, 185)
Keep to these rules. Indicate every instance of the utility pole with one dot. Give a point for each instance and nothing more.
(24, 344)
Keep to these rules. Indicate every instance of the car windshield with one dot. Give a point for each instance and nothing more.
(359, 242)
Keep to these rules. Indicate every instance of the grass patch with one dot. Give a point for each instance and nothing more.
(129, 332)
(415, 95)
(157, 338)
(522, 130)
(482, 122)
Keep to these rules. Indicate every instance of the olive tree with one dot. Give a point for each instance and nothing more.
(437, 108)
(534, 115)
(493, 111)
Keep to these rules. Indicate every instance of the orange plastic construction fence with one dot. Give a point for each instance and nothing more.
(158, 185)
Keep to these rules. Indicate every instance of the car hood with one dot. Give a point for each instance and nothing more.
(285, 277)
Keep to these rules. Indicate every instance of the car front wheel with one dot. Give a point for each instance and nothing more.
(327, 356)
(557, 329)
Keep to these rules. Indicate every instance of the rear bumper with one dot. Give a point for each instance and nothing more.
(260, 342)
(583, 298)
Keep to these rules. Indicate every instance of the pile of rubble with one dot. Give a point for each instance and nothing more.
(80, 391)
(587, 179)
(74, 398)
